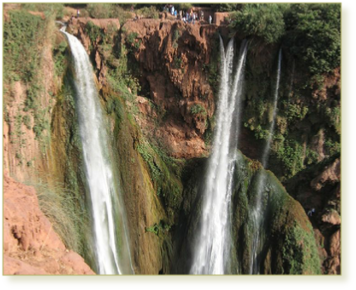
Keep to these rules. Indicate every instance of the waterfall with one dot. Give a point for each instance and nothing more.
(212, 249)
(257, 210)
(111, 244)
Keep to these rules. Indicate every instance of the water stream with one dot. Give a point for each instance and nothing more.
(109, 229)
(212, 249)
(256, 213)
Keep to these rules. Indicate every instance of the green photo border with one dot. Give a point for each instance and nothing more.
(344, 280)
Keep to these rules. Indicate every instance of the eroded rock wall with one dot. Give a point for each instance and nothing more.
(31, 246)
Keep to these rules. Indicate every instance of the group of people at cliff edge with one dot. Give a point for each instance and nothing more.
(186, 17)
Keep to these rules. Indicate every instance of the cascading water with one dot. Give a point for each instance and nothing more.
(110, 238)
(212, 250)
(257, 210)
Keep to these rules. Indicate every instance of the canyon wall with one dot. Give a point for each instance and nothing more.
(158, 84)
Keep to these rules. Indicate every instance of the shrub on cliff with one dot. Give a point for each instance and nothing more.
(107, 10)
(262, 20)
(226, 7)
(22, 34)
(149, 12)
(55, 9)
(66, 213)
(313, 34)
(101, 10)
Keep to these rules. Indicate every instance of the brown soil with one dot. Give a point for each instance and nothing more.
(30, 244)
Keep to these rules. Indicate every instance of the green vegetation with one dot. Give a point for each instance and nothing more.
(184, 6)
(295, 112)
(131, 38)
(262, 20)
(159, 228)
(291, 155)
(120, 77)
(27, 121)
(68, 217)
(306, 104)
(300, 252)
(93, 31)
(147, 154)
(24, 43)
(22, 35)
(103, 10)
(60, 60)
(164, 174)
(175, 37)
(261, 134)
(332, 147)
(148, 12)
(177, 62)
(198, 109)
(310, 32)
(55, 9)
(226, 7)
(108, 10)
(212, 68)
(313, 35)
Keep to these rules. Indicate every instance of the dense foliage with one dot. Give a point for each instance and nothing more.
(21, 34)
(311, 32)
(226, 7)
(262, 20)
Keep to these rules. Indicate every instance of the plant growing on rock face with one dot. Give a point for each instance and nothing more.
(261, 134)
(175, 37)
(177, 62)
(60, 58)
(27, 121)
(93, 31)
(22, 34)
(131, 37)
(198, 109)
(161, 227)
(332, 147)
(296, 112)
(69, 219)
(132, 41)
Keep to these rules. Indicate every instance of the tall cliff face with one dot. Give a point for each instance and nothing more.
(30, 85)
(173, 60)
(158, 82)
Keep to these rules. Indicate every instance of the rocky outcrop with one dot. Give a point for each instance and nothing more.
(287, 242)
(318, 188)
(171, 56)
(31, 246)
(77, 26)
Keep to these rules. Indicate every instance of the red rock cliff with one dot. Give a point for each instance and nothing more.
(30, 244)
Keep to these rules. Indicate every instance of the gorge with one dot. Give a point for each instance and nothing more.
(157, 146)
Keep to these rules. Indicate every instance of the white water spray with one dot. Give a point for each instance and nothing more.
(107, 213)
(257, 211)
(212, 250)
